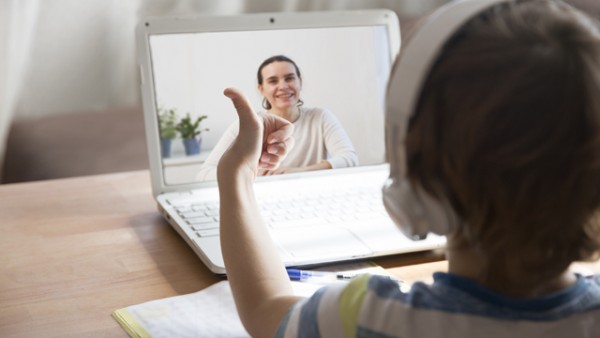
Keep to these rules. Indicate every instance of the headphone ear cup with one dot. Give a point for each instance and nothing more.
(416, 212)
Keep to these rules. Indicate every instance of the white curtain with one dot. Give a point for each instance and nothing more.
(187, 7)
(83, 58)
(18, 19)
(63, 56)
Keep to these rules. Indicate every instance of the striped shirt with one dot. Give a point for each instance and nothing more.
(453, 306)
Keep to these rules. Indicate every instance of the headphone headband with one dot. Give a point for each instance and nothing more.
(413, 67)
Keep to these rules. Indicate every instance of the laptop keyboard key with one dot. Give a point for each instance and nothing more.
(200, 220)
(208, 232)
(205, 226)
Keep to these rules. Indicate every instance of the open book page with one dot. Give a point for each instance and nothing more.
(210, 312)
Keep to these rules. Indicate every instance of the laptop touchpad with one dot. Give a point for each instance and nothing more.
(319, 242)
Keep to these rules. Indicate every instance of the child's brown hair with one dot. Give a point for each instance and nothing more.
(508, 125)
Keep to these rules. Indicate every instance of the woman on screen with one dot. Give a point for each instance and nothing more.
(320, 140)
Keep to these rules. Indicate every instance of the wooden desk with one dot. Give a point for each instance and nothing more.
(74, 250)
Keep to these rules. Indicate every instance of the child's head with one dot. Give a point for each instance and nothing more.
(507, 131)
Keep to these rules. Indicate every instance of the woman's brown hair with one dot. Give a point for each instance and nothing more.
(508, 131)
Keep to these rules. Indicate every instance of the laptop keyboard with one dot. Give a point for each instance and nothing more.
(203, 217)
(336, 208)
(350, 207)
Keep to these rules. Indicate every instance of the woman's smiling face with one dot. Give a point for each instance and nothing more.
(281, 85)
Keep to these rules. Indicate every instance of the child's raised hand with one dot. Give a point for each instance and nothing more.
(262, 142)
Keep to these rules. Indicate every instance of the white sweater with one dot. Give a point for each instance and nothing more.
(318, 136)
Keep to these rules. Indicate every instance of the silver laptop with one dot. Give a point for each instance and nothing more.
(314, 217)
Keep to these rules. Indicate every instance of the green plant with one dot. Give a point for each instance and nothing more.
(189, 129)
(166, 123)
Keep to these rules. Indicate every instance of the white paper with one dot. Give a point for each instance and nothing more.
(207, 313)
(210, 312)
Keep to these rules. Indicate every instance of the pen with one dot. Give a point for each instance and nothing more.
(318, 276)
(325, 277)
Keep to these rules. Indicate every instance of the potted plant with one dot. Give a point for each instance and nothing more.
(167, 126)
(189, 130)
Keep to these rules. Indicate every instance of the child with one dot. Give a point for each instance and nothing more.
(502, 155)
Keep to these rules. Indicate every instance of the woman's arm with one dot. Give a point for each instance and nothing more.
(341, 152)
(260, 284)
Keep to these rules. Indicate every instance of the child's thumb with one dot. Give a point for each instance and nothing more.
(245, 113)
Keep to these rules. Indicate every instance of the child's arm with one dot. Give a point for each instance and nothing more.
(258, 279)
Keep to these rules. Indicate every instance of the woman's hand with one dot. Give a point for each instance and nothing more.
(262, 142)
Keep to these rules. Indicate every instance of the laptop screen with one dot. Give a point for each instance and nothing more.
(344, 71)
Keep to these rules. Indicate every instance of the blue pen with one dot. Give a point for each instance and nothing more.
(317, 276)
(324, 277)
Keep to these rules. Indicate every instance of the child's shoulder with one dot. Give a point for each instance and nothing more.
(590, 289)
(593, 279)
(451, 306)
(458, 295)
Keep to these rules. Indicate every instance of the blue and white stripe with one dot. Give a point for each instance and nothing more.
(375, 307)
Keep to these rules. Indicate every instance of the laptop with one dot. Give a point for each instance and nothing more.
(345, 59)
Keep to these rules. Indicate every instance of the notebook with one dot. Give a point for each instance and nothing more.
(345, 59)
